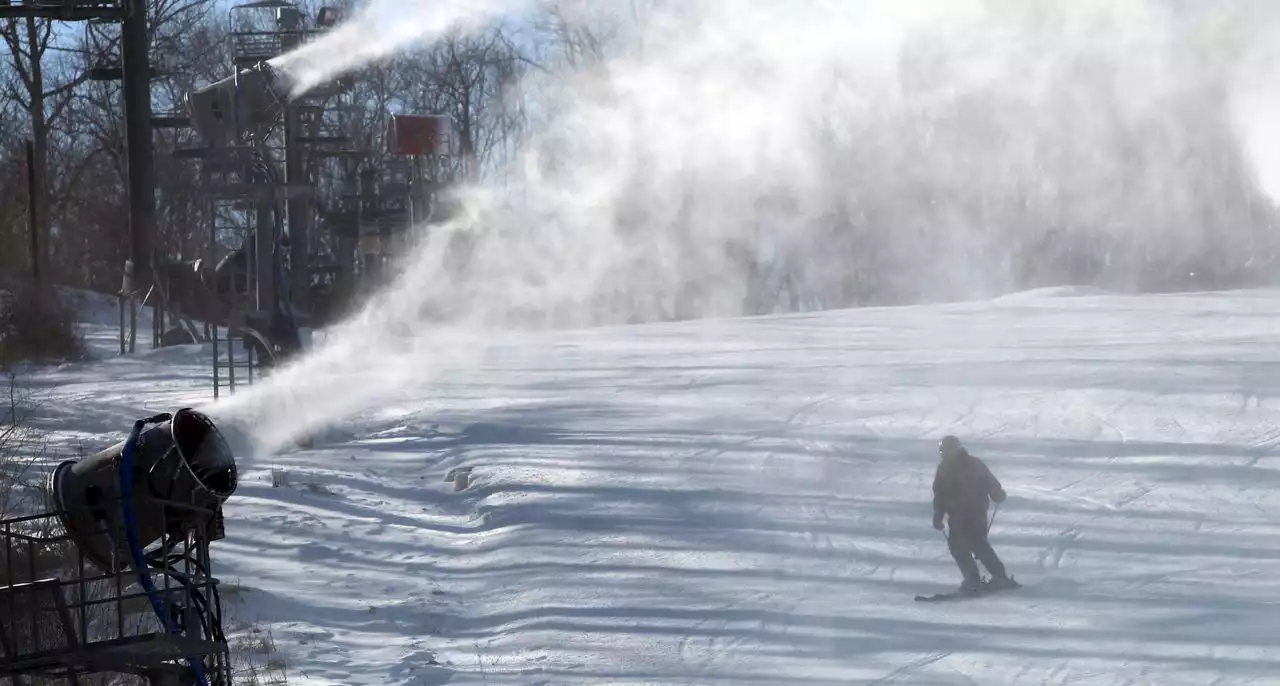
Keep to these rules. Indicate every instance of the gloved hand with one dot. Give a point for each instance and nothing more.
(999, 496)
(937, 523)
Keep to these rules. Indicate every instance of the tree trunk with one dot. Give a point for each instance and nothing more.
(40, 140)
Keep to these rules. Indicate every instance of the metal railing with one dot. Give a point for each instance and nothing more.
(61, 616)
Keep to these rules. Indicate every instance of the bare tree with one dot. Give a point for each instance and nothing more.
(470, 79)
(12, 185)
(41, 83)
(184, 45)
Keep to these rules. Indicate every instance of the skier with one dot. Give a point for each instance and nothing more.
(962, 489)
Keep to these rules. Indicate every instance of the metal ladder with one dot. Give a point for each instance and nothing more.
(235, 360)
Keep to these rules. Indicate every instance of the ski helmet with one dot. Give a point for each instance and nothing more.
(949, 446)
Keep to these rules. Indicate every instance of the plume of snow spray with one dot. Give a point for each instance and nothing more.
(722, 157)
(1255, 98)
(1257, 111)
(381, 29)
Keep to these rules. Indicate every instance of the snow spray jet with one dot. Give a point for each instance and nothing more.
(381, 29)
(1256, 109)
(221, 112)
(1255, 99)
(724, 157)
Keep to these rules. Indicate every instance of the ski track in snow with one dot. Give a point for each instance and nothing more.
(747, 501)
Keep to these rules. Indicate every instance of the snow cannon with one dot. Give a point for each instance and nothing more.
(223, 112)
(167, 480)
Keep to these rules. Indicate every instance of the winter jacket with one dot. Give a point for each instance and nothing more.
(962, 486)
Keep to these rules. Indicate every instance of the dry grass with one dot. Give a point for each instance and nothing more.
(20, 447)
(255, 658)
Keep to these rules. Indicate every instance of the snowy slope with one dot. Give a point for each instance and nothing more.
(100, 322)
(747, 501)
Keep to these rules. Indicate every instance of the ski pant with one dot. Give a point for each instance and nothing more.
(967, 540)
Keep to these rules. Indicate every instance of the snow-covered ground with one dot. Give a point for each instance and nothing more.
(747, 501)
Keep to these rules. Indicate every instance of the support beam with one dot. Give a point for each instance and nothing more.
(299, 213)
(136, 61)
(264, 251)
(65, 10)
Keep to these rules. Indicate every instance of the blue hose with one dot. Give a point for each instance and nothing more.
(131, 533)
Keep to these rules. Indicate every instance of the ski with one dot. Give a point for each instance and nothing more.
(955, 595)
(940, 596)
(959, 595)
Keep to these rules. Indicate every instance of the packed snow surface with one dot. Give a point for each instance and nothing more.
(748, 501)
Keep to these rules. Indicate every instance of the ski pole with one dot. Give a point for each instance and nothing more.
(993, 517)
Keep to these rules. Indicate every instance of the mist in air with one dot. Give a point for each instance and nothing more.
(730, 157)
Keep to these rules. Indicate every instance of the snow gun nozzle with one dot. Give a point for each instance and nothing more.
(182, 470)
